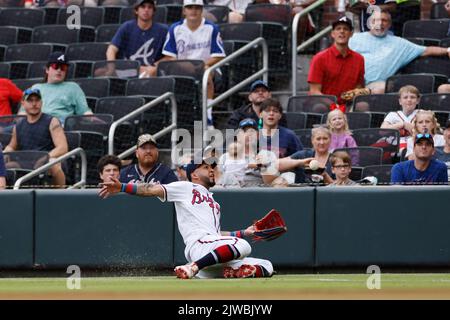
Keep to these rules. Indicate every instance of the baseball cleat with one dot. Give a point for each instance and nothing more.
(186, 271)
(244, 271)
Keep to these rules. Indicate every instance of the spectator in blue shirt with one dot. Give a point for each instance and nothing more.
(384, 54)
(148, 169)
(280, 140)
(424, 169)
(140, 39)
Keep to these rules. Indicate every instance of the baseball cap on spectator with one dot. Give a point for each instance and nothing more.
(29, 92)
(248, 122)
(343, 20)
(192, 3)
(145, 138)
(424, 136)
(141, 2)
(57, 57)
(258, 83)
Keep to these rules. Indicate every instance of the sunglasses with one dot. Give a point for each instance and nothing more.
(248, 124)
(423, 135)
(57, 66)
(31, 91)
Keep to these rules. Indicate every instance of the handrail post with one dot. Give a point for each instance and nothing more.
(263, 72)
(142, 109)
(48, 165)
(294, 49)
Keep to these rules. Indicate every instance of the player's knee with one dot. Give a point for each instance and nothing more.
(244, 248)
(267, 265)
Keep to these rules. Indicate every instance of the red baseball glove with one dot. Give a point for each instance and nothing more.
(269, 227)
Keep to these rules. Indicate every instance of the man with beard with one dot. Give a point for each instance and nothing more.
(259, 91)
(148, 169)
(210, 252)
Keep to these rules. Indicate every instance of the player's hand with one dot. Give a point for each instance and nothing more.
(109, 188)
(249, 231)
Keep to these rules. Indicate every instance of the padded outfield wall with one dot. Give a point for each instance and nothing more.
(327, 227)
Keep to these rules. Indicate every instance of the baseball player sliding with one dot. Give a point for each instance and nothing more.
(211, 252)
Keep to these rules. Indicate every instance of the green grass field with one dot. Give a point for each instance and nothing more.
(326, 286)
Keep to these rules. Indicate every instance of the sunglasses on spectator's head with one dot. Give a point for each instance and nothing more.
(57, 66)
(183, 166)
(423, 135)
(31, 91)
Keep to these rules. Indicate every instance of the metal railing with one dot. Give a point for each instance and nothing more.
(140, 110)
(48, 165)
(305, 44)
(263, 72)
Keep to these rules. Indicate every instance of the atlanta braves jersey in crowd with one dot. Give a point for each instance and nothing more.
(159, 173)
(198, 214)
(201, 44)
(144, 46)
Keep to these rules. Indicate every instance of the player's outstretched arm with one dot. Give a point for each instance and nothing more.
(145, 189)
(240, 233)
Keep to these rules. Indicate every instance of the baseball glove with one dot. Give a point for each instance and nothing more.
(269, 227)
(350, 94)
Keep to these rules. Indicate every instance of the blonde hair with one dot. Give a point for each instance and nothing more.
(335, 113)
(437, 127)
(410, 89)
(316, 131)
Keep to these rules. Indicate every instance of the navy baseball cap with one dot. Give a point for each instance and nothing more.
(248, 122)
(424, 136)
(208, 159)
(258, 83)
(57, 57)
(343, 20)
(29, 92)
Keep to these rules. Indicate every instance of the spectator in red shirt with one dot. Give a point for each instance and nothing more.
(337, 69)
(9, 93)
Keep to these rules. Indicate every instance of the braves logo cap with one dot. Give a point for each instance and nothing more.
(57, 57)
(343, 20)
(192, 3)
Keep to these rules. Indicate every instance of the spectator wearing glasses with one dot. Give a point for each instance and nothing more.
(61, 98)
(423, 169)
(40, 132)
(341, 166)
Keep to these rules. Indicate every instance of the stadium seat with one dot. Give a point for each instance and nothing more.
(435, 101)
(90, 16)
(112, 14)
(381, 172)
(4, 70)
(434, 65)
(62, 34)
(269, 13)
(296, 120)
(9, 35)
(219, 13)
(28, 52)
(5, 138)
(425, 82)
(388, 139)
(105, 32)
(21, 17)
(87, 51)
(94, 87)
(37, 69)
(356, 120)
(445, 43)
(310, 103)
(184, 68)
(376, 103)
(99, 123)
(364, 156)
(438, 11)
(434, 29)
(26, 159)
(116, 68)
(24, 84)
(305, 137)
(150, 87)
(245, 31)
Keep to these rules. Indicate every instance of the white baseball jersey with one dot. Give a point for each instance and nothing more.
(201, 44)
(197, 212)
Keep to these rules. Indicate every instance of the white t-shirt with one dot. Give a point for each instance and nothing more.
(438, 142)
(201, 44)
(399, 116)
(197, 212)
